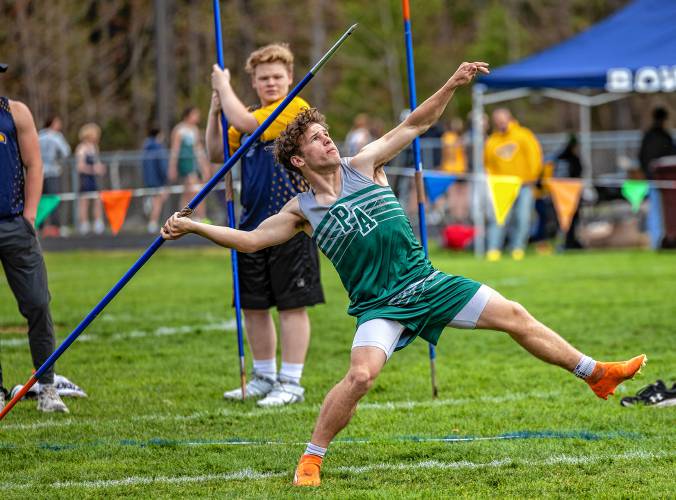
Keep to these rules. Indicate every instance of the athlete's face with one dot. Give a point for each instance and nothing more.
(271, 81)
(318, 152)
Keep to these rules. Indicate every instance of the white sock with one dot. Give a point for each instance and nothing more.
(291, 372)
(266, 367)
(584, 367)
(313, 449)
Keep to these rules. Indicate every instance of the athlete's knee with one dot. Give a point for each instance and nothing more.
(518, 312)
(360, 378)
(520, 319)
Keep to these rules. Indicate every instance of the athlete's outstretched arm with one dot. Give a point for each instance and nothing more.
(274, 230)
(379, 152)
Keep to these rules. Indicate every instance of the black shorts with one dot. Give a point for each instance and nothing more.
(286, 276)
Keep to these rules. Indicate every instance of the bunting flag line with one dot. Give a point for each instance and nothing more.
(115, 204)
(47, 205)
(437, 184)
(635, 191)
(504, 191)
(566, 195)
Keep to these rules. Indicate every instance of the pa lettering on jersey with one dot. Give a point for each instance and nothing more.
(647, 79)
(353, 219)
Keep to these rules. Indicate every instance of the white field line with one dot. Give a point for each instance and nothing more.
(249, 474)
(162, 331)
(286, 410)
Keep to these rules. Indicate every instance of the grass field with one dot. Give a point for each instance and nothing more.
(156, 362)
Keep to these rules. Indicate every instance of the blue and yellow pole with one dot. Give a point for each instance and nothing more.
(419, 184)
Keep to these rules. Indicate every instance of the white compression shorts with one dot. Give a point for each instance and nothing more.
(385, 333)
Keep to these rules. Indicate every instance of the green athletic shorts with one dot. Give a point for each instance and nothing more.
(428, 310)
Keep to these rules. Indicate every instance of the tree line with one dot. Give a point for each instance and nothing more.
(97, 60)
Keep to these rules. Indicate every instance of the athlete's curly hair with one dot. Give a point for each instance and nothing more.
(288, 142)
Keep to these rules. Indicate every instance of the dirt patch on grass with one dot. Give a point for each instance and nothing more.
(13, 329)
(23, 328)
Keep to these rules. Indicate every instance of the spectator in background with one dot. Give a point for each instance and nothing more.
(430, 147)
(187, 159)
(54, 149)
(454, 161)
(90, 168)
(657, 142)
(359, 135)
(568, 166)
(376, 127)
(155, 174)
(512, 150)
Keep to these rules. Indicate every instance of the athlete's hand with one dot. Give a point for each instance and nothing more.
(220, 78)
(176, 226)
(467, 71)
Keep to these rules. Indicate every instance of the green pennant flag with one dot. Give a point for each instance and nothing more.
(47, 205)
(635, 191)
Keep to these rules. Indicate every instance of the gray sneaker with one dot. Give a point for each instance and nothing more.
(2, 398)
(258, 387)
(49, 400)
(284, 392)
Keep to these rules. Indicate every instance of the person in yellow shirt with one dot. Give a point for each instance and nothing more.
(285, 276)
(454, 161)
(512, 150)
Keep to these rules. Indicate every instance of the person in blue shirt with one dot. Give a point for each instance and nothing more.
(54, 149)
(154, 161)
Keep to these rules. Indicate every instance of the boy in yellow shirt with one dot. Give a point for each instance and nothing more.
(285, 276)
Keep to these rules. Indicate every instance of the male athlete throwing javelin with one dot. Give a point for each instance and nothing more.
(395, 293)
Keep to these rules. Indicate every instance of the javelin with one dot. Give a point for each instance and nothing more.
(419, 185)
(185, 212)
(230, 206)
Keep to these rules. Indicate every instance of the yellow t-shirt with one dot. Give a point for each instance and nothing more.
(514, 152)
(453, 158)
(289, 113)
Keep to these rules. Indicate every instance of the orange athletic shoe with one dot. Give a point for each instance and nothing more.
(607, 376)
(307, 472)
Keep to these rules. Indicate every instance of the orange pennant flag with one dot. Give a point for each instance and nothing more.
(566, 196)
(115, 204)
(504, 191)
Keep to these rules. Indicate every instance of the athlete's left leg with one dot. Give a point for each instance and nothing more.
(544, 343)
(373, 344)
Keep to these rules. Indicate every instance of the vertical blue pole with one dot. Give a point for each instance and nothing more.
(230, 206)
(419, 185)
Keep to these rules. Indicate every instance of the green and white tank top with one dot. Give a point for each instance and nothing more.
(368, 238)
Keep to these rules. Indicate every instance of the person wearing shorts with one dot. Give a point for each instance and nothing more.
(287, 276)
(395, 292)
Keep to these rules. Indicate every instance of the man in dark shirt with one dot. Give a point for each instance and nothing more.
(20, 253)
(657, 142)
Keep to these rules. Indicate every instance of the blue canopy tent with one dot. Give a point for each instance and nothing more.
(633, 50)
